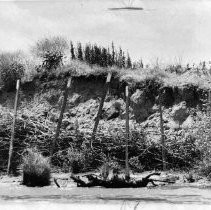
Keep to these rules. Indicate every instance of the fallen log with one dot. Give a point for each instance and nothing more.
(116, 182)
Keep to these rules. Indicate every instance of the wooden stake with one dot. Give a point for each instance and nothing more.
(13, 128)
(162, 134)
(99, 113)
(127, 173)
(209, 103)
(65, 94)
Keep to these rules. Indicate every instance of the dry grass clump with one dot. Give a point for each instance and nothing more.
(36, 169)
(204, 168)
(202, 132)
(140, 75)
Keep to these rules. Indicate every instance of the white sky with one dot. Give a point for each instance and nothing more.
(165, 29)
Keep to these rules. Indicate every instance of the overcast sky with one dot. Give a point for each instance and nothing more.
(167, 29)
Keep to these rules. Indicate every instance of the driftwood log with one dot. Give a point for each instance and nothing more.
(115, 182)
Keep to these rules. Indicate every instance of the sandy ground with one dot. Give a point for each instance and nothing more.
(129, 206)
(178, 196)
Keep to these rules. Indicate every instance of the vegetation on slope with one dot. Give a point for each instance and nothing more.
(38, 117)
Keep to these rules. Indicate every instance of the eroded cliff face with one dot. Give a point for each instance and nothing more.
(143, 100)
(41, 100)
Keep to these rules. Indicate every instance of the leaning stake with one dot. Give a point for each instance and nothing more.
(162, 134)
(209, 103)
(99, 113)
(127, 174)
(60, 116)
(13, 127)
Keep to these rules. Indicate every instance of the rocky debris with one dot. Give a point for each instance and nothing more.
(171, 118)
(188, 123)
(114, 115)
(141, 105)
(115, 109)
(180, 113)
(173, 125)
(75, 99)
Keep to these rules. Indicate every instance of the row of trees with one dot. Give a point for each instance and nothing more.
(51, 51)
(104, 57)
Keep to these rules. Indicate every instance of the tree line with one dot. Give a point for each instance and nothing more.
(98, 55)
(51, 52)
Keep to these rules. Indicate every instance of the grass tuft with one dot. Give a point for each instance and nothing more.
(36, 169)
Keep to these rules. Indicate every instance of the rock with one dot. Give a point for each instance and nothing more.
(115, 109)
(180, 113)
(172, 125)
(142, 105)
(75, 99)
(188, 123)
(114, 115)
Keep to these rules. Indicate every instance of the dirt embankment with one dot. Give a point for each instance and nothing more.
(41, 100)
(144, 95)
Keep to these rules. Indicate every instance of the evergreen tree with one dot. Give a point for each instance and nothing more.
(113, 55)
(72, 50)
(104, 57)
(51, 51)
(123, 60)
(80, 52)
(129, 63)
(109, 58)
(97, 55)
(119, 61)
(141, 64)
(92, 56)
(87, 53)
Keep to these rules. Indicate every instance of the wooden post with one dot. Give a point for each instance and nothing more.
(13, 128)
(65, 94)
(127, 174)
(99, 113)
(209, 103)
(162, 134)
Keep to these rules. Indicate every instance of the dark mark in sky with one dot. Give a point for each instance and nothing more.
(126, 8)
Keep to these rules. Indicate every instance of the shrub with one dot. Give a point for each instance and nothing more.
(109, 167)
(11, 69)
(82, 159)
(135, 164)
(76, 160)
(36, 169)
(204, 168)
(51, 51)
(52, 60)
(202, 132)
